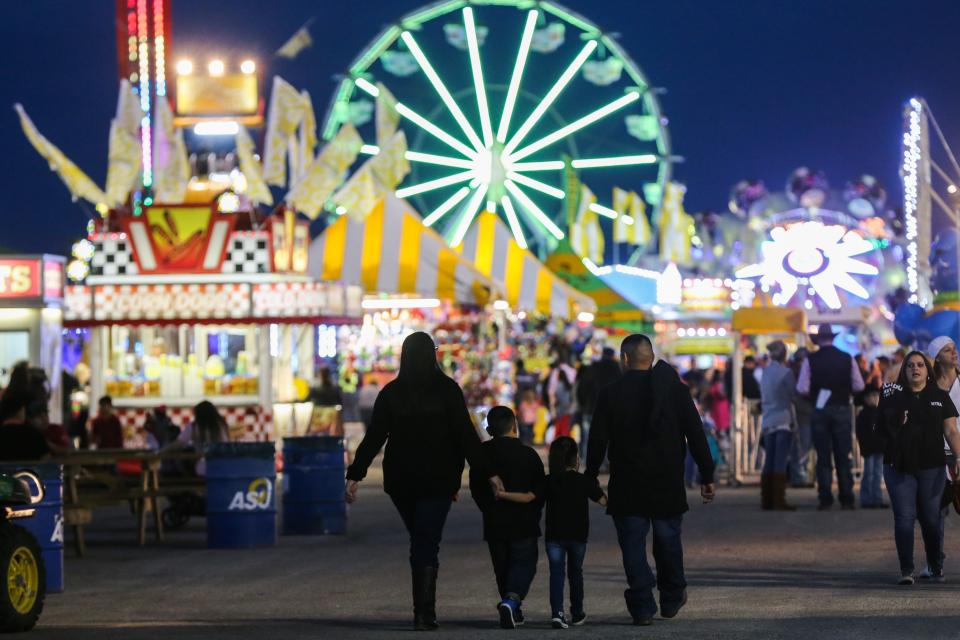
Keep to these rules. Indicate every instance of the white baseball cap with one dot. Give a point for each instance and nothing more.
(937, 344)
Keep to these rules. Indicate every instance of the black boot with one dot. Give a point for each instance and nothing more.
(425, 599)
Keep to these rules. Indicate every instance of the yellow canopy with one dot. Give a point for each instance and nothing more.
(529, 284)
(391, 251)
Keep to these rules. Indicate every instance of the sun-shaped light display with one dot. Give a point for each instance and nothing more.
(815, 255)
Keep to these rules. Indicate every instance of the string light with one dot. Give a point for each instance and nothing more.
(144, 65)
(912, 156)
(159, 47)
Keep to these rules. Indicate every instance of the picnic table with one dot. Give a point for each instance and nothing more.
(91, 480)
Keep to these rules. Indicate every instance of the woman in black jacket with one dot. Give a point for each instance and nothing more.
(915, 415)
(423, 419)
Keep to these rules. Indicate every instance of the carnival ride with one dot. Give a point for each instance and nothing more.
(461, 74)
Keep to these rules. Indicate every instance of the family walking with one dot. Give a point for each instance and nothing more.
(643, 424)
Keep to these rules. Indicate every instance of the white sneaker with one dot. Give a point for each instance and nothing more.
(559, 621)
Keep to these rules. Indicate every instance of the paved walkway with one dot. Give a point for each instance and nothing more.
(752, 575)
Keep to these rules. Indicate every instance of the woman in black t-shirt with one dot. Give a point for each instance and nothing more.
(914, 417)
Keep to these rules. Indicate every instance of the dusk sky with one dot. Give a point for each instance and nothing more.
(755, 88)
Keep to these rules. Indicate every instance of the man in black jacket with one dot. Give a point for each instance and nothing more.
(511, 529)
(646, 420)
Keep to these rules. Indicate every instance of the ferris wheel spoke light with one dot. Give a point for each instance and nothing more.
(548, 99)
(441, 89)
(549, 165)
(536, 184)
(439, 183)
(447, 205)
(619, 161)
(606, 212)
(473, 205)
(443, 161)
(576, 125)
(367, 86)
(434, 130)
(514, 222)
(522, 54)
(369, 149)
(477, 68)
(534, 210)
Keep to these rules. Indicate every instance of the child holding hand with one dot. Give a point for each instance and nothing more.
(566, 492)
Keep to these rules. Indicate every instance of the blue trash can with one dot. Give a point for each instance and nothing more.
(313, 486)
(46, 525)
(241, 505)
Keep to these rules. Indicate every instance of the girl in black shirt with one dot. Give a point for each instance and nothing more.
(914, 417)
(566, 492)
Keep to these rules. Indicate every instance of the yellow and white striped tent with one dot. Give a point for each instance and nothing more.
(528, 283)
(391, 252)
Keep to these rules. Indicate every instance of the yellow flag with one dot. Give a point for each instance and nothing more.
(638, 211)
(306, 138)
(297, 43)
(171, 167)
(325, 173)
(123, 157)
(390, 166)
(77, 182)
(586, 234)
(287, 111)
(257, 189)
(632, 226)
(675, 226)
(360, 193)
(387, 117)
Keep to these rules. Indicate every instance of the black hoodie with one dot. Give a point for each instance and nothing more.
(423, 419)
(646, 420)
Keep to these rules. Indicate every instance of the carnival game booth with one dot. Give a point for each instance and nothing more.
(182, 308)
(411, 280)
(31, 300)
(762, 325)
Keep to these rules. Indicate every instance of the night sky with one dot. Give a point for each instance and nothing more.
(756, 88)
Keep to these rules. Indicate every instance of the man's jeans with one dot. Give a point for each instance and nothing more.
(833, 439)
(916, 496)
(566, 558)
(667, 553)
(424, 519)
(514, 565)
(871, 495)
(585, 420)
(776, 446)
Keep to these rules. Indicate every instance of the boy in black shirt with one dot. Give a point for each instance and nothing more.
(511, 529)
(566, 492)
(871, 448)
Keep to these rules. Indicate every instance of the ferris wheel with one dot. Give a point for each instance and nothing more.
(502, 101)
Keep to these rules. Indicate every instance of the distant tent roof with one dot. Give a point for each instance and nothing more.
(529, 284)
(613, 310)
(391, 251)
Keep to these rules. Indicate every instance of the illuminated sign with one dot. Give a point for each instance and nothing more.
(19, 278)
(816, 257)
(234, 94)
(180, 238)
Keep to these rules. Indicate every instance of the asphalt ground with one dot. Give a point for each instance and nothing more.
(752, 574)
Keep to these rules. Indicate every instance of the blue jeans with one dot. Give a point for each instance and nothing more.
(870, 492)
(833, 438)
(776, 444)
(424, 519)
(916, 496)
(566, 559)
(667, 553)
(514, 565)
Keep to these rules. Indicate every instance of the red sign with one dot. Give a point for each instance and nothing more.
(52, 279)
(19, 278)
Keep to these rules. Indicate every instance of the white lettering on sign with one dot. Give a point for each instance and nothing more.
(57, 529)
(281, 301)
(259, 496)
(171, 301)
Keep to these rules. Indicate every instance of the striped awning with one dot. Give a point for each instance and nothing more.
(613, 310)
(391, 252)
(528, 283)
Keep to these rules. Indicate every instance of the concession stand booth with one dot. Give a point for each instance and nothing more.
(181, 306)
(31, 316)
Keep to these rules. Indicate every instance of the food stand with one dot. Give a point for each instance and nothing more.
(182, 308)
(31, 299)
